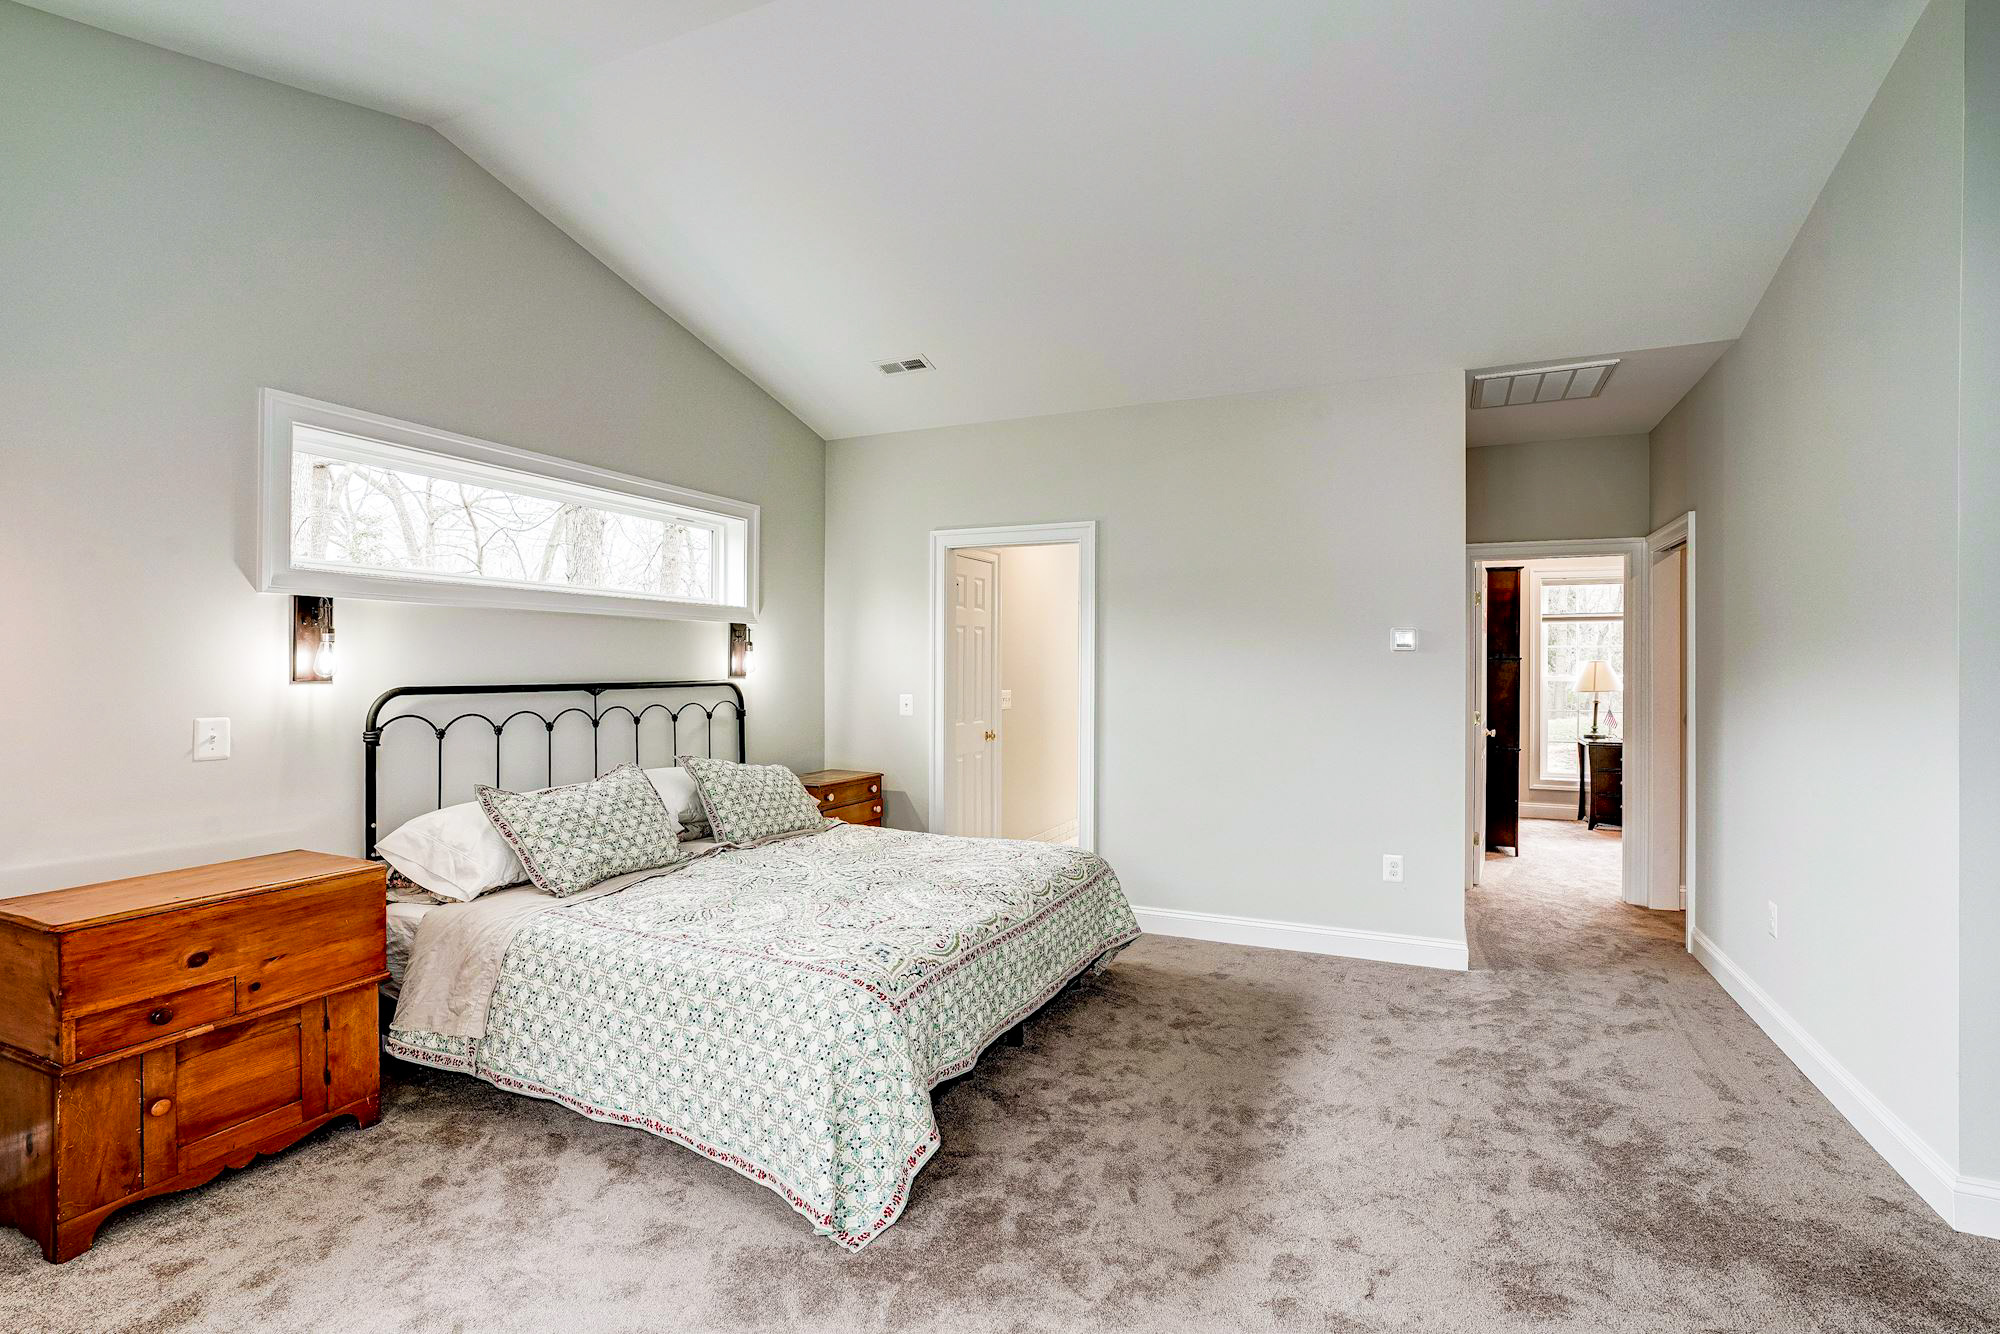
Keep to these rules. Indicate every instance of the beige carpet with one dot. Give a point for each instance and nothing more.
(1583, 1133)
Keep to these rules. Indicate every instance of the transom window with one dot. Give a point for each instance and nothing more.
(1580, 619)
(369, 506)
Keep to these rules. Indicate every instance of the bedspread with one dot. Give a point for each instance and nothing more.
(785, 1010)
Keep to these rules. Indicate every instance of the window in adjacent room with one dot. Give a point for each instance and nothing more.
(1580, 619)
(360, 505)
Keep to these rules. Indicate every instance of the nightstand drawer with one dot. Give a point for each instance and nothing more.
(135, 1022)
(861, 812)
(849, 794)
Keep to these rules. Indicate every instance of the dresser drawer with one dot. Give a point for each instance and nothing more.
(135, 1022)
(849, 794)
(284, 945)
(861, 812)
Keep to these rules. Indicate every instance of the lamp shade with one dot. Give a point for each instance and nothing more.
(1597, 677)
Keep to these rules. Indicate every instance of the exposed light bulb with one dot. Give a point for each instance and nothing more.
(323, 659)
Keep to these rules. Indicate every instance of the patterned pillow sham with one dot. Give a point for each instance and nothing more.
(748, 803)
(570, 838)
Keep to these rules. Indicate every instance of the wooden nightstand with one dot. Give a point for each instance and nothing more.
(156, 1030)
(853, 795)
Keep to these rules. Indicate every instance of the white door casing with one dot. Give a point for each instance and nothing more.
(945, 542)
(1669, 721)
(1681, 533)
(972, 692)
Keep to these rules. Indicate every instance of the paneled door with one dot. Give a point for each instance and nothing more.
(972, 682)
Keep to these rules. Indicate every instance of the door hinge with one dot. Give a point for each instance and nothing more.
(1475, 840)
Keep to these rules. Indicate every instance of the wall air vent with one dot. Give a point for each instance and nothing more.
(1542, 384)
(905, 364)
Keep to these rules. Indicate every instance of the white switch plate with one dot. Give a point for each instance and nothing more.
(906, 705)
(1403, 641)
(1392, 867)
(1006, 699)
(211, 739)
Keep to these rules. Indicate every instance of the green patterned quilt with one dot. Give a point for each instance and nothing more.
(786, 1009)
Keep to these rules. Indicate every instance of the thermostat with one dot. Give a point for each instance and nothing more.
(1403, 641)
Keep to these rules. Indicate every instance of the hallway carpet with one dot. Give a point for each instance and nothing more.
(1582, 1134)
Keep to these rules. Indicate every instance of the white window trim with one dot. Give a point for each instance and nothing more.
(279, 412)
(1538, 779)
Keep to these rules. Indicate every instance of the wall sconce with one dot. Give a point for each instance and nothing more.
(739, 649)
(312, 640)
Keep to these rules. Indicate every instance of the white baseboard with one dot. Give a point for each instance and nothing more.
(1062, 833)
(1978, 1207)
(1967, 1203)
(1549, 810)
(1383, 946)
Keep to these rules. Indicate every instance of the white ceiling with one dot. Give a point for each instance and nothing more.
(1642, 389)
(1072, 204)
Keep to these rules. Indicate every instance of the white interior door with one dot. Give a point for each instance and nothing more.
(972, 683)
(1666, 873)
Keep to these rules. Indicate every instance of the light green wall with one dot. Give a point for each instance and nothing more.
(1259, 746)
(1545, 490)
(179, 235)
(1821, 455)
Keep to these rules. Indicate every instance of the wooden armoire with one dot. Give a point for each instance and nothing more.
(1503, 708)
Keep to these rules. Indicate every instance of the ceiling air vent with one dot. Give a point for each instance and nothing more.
(905, 364)
(1542, 384)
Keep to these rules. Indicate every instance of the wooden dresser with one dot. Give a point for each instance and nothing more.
(853, 795)
(156, 1030)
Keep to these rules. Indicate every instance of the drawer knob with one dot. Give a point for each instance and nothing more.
(198, 958)
(872, 788)
(160, 1107)
(161, 1015)
(878, 810)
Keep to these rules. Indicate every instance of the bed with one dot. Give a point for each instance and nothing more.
(785, 1010)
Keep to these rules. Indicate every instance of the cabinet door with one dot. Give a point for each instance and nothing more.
(97, 1119)
(238, 1086)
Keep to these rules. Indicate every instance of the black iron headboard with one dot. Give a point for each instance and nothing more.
(704, 697)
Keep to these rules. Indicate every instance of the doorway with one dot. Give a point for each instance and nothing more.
(1558, 693)
(1013, 680)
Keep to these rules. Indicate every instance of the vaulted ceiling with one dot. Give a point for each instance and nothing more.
(1072, 204)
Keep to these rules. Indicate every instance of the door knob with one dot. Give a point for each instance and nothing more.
(992, 736)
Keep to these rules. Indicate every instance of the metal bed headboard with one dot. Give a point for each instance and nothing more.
(728, 697)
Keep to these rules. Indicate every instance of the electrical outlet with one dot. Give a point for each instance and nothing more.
(1773, 927)
(1392, 867)
(906, 705)
(211, 739)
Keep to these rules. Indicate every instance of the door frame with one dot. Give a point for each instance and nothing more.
(1638, 697)
(1082, 533)
(1680, 532)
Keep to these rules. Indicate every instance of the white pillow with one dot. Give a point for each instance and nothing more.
(676, 788)
(455, 853)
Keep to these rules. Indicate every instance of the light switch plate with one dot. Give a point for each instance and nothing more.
(1006, 699)
(906, 705)
(211, 739)
(1403, 641)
